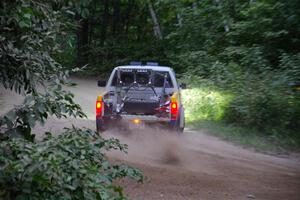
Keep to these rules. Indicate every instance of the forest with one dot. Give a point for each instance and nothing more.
(240, 60)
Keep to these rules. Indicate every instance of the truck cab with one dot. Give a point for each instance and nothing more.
(141, 94)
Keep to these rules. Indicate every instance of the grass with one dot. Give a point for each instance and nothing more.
(205, 107)
(238, 135)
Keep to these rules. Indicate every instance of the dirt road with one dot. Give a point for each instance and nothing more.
(192, 166)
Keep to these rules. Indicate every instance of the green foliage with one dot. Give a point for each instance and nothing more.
(69, 166)
(254, 111)
(121, 53)
(19, 121)
(265, 101)
(72, 165)
(27, 45)
(249, 50)
(204, 102)
(249, 137)
(27, 42)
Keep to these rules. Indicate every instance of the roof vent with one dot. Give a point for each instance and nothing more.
(152, 63)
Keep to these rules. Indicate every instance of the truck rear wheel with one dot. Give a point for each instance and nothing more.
(102, 125)
(181, 129)
(176, 127)
(100, 128)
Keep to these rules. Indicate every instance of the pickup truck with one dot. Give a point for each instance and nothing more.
(139, 95)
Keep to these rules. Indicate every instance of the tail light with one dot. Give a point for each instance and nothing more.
(99, 106)
(174, 109)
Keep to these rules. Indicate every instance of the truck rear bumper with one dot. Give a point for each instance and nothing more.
(130, 121)
(146, 118)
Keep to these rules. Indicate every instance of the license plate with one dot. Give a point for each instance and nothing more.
(136, 124)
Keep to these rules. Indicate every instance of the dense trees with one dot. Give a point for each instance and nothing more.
(110, 32)
(249, 48)
(113, 32)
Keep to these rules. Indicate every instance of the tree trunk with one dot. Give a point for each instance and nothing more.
(156, 27)
(116, 17)
(127, 17)
(91, 27)
(105, 17)
(82, 41)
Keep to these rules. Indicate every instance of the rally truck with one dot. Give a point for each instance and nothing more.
(139, 95)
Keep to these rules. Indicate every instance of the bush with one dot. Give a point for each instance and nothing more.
(69, 166)
(204, 101)
(265, 99)
(72, 165)
(259, 103)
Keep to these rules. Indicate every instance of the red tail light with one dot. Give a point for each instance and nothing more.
(174, 110)
(99, 105)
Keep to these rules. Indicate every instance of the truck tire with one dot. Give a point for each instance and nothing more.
(102, 125)
(176, 127)
(180, 120)
(100, 128)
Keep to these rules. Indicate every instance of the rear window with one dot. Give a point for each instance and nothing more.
(159, 79)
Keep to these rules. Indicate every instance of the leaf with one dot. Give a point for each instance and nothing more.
(41, 108)
(28, 99)
(24, 24)
(31, 121)
(27, 15)
(11, 115)
(70, 12)
(85, 13)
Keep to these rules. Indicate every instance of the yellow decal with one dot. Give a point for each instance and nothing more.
(99, 98)
(104, 95)
(174, 97)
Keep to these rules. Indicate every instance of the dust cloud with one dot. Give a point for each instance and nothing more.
(149, 145)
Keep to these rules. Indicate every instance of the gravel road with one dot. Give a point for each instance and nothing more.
(192, 166)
